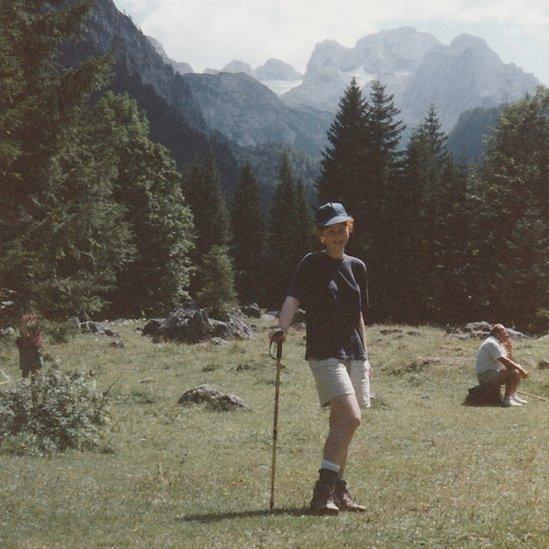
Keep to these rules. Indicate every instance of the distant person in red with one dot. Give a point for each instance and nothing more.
(29, 343)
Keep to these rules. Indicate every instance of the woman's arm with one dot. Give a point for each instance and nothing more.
(285, 317)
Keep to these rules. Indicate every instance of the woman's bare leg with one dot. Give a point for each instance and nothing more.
(345, 417)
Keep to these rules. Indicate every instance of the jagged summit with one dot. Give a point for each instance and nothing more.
(465, 41)
(237, 66)
(417, 69)
(178, 66)
(275, 69)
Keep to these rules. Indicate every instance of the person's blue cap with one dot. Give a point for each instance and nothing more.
(330, 214)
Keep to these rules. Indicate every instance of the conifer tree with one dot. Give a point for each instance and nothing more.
(432, 228)
(217, 282)
(289, 233)
(375, 232)
(202, 189)
(305, 228)
(342, 177)
(248, 233)
(513, 185)
(58, 202)
(149, 187)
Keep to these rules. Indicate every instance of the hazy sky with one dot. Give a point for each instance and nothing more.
(210, 33)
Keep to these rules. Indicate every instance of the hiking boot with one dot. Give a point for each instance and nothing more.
(322, 502)
(344, 500)
(508, 402)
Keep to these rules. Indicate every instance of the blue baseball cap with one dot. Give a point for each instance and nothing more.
(330, 214)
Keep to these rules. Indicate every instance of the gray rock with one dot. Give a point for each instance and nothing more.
(461, 337)
(74, 320)
(543, 365)
(218, 341)
(216, 399)
(415, 333)
(6, 332)
(515, 334)
(153, 326)
(253, 310)
(473, 327)
(117, 345)
(90, 327)
(268, 317)
(191, 325)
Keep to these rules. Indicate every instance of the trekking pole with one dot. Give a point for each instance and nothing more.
(531, 395)
(275, 423)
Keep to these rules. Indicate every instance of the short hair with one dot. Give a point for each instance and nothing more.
(350, 225)
(495, 328)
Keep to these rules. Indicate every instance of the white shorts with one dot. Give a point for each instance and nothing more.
(335, 377)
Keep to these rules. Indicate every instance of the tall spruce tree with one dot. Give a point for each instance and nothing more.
(58, 203)
(513, 188)
(202, 189)
(432, 230)
(217, 291)
(12, 106)
(149, 187)
(248, 234)
(289, 233)
(375, 236)
(342, 177)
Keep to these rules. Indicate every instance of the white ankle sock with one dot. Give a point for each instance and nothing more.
(330, 466)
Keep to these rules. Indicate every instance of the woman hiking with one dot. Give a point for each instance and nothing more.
(332, 288)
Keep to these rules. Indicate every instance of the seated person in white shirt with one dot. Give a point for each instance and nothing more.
(495, 365)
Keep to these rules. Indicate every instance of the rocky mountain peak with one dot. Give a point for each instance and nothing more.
(236, 66)
(467, 41)
(178, 66)
(275, 69)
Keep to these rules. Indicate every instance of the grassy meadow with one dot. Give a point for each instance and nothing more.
(431, 471)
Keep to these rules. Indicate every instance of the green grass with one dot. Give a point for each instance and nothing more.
(431, 471)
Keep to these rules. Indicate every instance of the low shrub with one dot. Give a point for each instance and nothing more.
(52, 412)
(59, 332)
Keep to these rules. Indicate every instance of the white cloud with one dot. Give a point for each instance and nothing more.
(213, 32)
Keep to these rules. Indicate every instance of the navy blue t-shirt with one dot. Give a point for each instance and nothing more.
(333, 293)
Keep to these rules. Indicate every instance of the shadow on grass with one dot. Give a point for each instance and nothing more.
(215, 517)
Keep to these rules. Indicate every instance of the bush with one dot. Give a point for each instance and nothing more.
(59, 332)
(53, 412)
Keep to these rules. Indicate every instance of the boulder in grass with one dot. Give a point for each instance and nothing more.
(543, 365)
(515, 334)
(188, 325)
(461, 337)
(90, 327)
(253, 310)
(153, 326)
(388, 331)
(214, 398)
(268, 317)
(478, 329)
